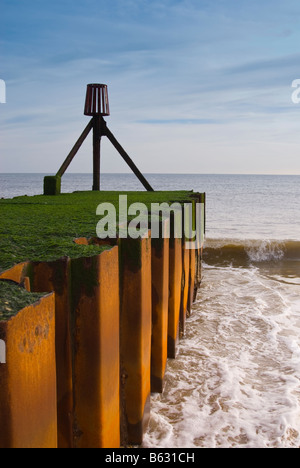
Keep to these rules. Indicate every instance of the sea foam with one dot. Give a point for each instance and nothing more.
(236, 380)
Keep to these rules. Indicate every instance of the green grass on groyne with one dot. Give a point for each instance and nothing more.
(43, 228)
(14, 298)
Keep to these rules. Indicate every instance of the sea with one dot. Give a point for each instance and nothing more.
(236, 380)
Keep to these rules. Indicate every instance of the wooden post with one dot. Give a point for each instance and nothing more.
(28, 379)
(96, 152)
(185, 286)
(160, 303)
(135, 337)
(175, 282)
(96, 106)
(55, 276)
(95, 351)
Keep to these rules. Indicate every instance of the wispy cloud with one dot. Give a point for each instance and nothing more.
(217, 69)
(180, 121)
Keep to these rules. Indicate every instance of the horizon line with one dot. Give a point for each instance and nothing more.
(161, 173)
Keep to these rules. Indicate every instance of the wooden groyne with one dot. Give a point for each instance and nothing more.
(28, 378)
(83, 360)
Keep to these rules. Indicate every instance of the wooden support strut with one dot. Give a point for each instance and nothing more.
(75, 149)
(99, 126)
(125, 156)
(97, 133)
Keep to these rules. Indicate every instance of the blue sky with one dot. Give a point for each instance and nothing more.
(194, 86)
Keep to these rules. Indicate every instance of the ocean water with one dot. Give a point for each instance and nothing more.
(236, 380)
(238, 206)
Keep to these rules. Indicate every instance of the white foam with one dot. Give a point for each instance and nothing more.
(236, 380)
(265, 251)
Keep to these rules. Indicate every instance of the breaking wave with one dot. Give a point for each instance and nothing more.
(245, 252)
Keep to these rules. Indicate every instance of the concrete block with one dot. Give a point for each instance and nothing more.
(52, 185)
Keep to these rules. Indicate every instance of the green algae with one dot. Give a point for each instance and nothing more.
(130, 254)
(52, 185)
(84, 278)
(14, 298)
(43, 228)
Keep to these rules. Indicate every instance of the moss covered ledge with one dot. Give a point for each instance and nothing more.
(14, 298)
(43, 228)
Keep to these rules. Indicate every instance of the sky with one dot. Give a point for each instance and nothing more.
(195, 86)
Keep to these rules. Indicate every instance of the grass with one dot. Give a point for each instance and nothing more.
(13, 298)
(43, 228)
